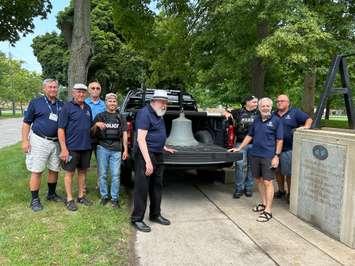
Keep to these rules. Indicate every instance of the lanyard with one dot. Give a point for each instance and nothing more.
(50, 108)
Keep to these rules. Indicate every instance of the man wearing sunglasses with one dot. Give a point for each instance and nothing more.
(96, 104)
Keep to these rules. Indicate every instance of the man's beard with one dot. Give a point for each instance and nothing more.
(160, 112)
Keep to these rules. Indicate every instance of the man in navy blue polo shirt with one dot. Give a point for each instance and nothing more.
(266, 133)
(74, 138)
(151, 137)
(292, 118)
(40, 141)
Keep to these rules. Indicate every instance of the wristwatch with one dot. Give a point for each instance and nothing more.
(277, 154)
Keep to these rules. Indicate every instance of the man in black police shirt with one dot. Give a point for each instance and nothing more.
(40, 141)
(244, 118)
(151, 137)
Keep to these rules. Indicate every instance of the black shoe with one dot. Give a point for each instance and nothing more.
(85, 201)
(248, 193)
(104, 201)
(288, 198)
(115, 204)
(237, 194)
(71, 206)
(160, 220)
(279, 194)
(36, 205)
(141, 226)
(54, 197)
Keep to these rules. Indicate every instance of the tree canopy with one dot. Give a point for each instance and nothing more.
(16, 17)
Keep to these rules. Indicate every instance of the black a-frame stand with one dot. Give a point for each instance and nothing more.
(338, 64)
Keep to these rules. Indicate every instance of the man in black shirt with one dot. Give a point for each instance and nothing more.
(110, 128)
(244, 118)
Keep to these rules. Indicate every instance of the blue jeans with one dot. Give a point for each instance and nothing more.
(107, 158)
(243, 175)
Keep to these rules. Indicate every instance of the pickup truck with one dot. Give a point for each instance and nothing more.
(213, 132)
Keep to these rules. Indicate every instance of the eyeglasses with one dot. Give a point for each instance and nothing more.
(281, 101)
(95, 88)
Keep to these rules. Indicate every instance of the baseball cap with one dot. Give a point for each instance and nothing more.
(80, 86)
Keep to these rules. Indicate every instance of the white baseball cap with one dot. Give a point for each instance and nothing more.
(160, 95)
(80, 86)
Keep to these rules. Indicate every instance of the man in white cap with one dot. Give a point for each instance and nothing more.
(151, 137)
(75, 143)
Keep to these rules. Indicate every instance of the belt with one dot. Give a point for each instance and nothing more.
(47, 138)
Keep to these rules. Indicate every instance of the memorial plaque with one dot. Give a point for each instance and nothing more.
(321, 185)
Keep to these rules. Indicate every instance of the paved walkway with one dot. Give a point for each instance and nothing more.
(209, 227)
(10, 131)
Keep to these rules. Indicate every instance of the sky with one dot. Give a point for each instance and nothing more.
(23, 50)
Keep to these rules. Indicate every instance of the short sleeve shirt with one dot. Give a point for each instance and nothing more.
(147, 119)
(292, 119)
(38, 116)
(76, 122)
(265, 133)
(96, 107)
(110, 137)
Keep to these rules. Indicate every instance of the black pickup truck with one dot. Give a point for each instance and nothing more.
(211, 130)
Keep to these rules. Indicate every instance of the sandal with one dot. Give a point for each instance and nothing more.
(259, 208)
(264, 217)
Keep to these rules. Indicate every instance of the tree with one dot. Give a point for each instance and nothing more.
(16, 17)
(80, 44)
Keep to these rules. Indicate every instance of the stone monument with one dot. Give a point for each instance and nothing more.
(323, 181)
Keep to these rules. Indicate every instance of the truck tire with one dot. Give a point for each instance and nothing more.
(204, 136)
(127, 173)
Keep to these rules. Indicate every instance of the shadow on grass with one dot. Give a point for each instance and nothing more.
(92, 235)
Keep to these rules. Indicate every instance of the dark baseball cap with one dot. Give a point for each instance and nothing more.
(249, 98)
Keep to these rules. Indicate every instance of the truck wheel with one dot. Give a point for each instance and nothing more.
(204, 136)
(127, 173)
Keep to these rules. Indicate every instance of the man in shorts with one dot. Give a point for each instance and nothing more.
(266, 133)
(292, 118)
(75, 143)
(40, 142)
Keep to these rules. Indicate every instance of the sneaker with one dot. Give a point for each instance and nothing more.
(36, 205)
(115, 204)
(104, 201)
(71, 206)
(279, 194)
(248, 193)
(54, 197)
(237, 194)
(85, 201)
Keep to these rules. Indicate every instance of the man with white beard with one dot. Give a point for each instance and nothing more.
(267, 135)
(151, 137)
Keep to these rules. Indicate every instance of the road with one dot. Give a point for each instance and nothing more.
(10, 130)
(209, 227)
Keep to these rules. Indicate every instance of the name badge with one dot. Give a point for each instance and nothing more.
(53, 117)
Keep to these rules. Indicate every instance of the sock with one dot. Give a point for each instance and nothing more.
(51, 188)
(34, 194)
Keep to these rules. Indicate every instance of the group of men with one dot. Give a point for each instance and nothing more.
(63, 135)
(60, 135)
(265, 139)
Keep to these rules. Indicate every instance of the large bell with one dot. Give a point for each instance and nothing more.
(181, 132)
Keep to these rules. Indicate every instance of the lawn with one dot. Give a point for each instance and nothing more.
(94, 235)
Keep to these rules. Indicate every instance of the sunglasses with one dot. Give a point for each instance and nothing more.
(96, 88)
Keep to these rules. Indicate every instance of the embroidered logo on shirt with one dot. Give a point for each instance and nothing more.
(87, 113)
(288, 117)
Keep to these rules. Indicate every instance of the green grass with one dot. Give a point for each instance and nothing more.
(335, 123)
(92, 235)
(9, 115)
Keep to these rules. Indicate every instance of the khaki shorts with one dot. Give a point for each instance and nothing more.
(43, 153)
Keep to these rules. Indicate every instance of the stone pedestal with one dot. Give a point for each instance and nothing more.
(323, 181)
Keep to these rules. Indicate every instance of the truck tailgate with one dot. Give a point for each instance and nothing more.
(202, 154)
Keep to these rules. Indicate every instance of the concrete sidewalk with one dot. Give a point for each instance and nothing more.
(10, 131)
(209, 227)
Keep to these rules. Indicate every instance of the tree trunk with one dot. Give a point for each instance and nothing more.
(258, 68)
(80, 48)
(13, 108)
(309, 91)
(327, 110)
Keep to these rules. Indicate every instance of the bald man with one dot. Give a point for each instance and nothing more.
(292, 118)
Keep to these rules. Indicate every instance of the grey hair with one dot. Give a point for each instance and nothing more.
(49, 80)
(265, 99)
(110, 96)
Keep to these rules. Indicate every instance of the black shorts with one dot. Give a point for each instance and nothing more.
(261, 168)
(79, 160)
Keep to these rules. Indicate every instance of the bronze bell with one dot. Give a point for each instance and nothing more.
(181, 132)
